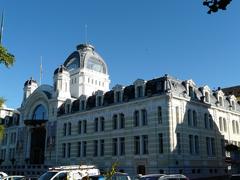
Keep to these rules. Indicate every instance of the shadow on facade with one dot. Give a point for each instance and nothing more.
(199, 147)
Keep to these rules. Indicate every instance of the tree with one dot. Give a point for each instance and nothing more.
(215, 5)
(110, 173)
(6, 58)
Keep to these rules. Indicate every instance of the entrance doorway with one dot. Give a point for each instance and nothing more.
(141, 170)
(38, 137)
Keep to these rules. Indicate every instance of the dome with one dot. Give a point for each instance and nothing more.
(60, 69)
(30, 82)
(86, 57)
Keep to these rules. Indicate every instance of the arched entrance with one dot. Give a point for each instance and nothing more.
(38, 134)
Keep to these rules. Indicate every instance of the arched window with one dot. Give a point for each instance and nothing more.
(40, 113)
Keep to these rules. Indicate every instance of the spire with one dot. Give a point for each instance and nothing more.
(1, 30)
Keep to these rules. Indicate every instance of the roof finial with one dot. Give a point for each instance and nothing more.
(1, 30)
(86, 41)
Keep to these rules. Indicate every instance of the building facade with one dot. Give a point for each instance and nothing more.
(163, 125)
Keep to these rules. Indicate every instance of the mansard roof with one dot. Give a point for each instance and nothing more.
(160, 86)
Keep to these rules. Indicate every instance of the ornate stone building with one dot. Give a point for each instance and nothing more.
(163, 125)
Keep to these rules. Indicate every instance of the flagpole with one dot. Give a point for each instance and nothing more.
(1, 31)
(40, 80)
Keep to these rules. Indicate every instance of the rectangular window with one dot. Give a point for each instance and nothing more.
(145, 144)
(136, 118)
(206, 120)
(85, 126)
(194, 118)
(79, 149)
(69, 128)
(208, 145)
(64, 129)
(137, 145)
(179, 143)
(114, 146)
(69, 150)
(160, 143)
(122, 146)
(210, 121)
(102, 123)
(122, 121)
(63, 150)
(189, 117)
(213, 146)
(96, 124)
(102, 147)
(79, 127)
(95, 148)
(223, 147)
(84, 148)
(190, 144)
(160, 120)
(115, 121)
(177, 115)
(144, 117)
(220, 124)
(196, 141)
(224, 125)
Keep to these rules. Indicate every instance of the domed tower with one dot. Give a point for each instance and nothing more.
(29, 86)
(88, 71)
(61, 81)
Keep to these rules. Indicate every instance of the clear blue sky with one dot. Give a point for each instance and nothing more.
(137, 38)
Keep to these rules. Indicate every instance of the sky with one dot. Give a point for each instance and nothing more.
(137, 39)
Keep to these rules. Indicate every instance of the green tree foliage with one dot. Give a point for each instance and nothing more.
(6, 58)
(109, 174)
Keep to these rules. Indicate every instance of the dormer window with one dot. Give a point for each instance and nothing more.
(118, 93)
(207, 97)
(233, 105)
(139, 88)
(82, 105)
(68, 108)
(118, 96)
(220, 99)
(139, 91)
(190, 91)
(99, 100)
